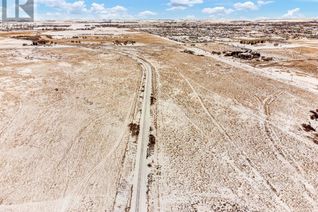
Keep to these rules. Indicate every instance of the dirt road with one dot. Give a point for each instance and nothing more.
(139, 198)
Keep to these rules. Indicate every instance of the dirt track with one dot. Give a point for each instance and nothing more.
(139, 194)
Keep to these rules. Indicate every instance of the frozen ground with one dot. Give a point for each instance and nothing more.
(224, 135)
(97, 31)
(229, 138)
(64, 119)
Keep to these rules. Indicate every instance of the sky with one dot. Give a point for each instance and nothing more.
(175, 9)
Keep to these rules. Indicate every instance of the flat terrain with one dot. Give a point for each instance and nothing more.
(217, 133)
(64, 117)
(232, 139)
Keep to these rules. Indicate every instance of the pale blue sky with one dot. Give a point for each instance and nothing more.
(175, 9)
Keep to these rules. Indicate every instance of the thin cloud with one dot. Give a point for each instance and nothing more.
(239, 6)
(217, 10)
(261, 3)
(292, 13)
(81, 8)
(147, 13)
(182, 4)
(248, 5)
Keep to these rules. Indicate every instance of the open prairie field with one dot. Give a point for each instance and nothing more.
(64, 117)
(123, 120)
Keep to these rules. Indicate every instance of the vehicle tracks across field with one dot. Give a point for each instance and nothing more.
(283, 156)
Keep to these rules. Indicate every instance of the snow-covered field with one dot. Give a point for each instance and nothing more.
(223, 136)
(96, 31)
